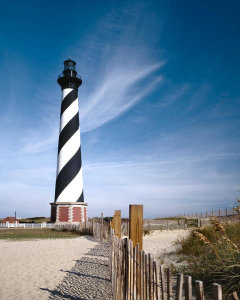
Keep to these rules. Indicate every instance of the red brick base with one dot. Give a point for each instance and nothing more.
(68, 212)
(77, 214)
(63, 214)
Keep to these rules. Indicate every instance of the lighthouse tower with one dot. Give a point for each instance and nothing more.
(69, 206)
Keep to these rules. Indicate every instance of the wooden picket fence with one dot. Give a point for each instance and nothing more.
(99, 231)
(82, 228)
(214, 213)
(135, 275)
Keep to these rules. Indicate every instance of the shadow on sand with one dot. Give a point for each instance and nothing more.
(55, 293)
(88, 279)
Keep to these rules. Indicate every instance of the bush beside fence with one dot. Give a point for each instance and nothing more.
(135, 275)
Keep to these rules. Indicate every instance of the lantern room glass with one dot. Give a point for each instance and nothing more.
(69, 65)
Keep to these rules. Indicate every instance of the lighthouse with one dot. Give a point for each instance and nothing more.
(68, 205)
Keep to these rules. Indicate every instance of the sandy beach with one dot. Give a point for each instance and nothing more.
(159, 243)
(39, 269)
(30, 268)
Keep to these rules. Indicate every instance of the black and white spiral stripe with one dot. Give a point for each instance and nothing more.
(69, 184)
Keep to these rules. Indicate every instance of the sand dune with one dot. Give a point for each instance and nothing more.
(161, 242)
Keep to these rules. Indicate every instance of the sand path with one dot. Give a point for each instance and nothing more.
(88, 279)
(31, 269)
(66, 268)
(160, 242)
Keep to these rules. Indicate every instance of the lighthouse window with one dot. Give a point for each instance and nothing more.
(69, 68)
(69, 65)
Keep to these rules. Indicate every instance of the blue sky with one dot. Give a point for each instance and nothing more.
(159, 104)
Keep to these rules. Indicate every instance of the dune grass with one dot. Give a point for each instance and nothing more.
(195, 246)
(44, 233)
(213, 256)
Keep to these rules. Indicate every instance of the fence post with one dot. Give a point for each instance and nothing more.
(117, 223)
(101, 227)
(123, 273)
(198, 222)
(199, 290)
(163, 284)
(142, 275)
(134, 274)
(217, 291)
(131, 268)
(235, 296)
(146, 276)
(153, 282)
(113, 222)
(179, 286)
(188, 288)
(136, 224)
(169, 283)
(149, 277)
(156, 279)
(118, 290)
(113, 265)
(126, 262)
(137, 272)
(118, 269)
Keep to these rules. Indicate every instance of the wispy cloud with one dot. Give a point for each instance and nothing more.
(37, 142)
(118, 69)
(163, 187)
(175, 94)
(116, 94)
(177, 150)
(182, 160)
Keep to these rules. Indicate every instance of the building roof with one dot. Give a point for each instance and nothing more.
(10, 220)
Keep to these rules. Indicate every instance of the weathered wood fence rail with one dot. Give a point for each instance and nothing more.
(82, 228)
(100, 231)
(214, 213)
(135, 275)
